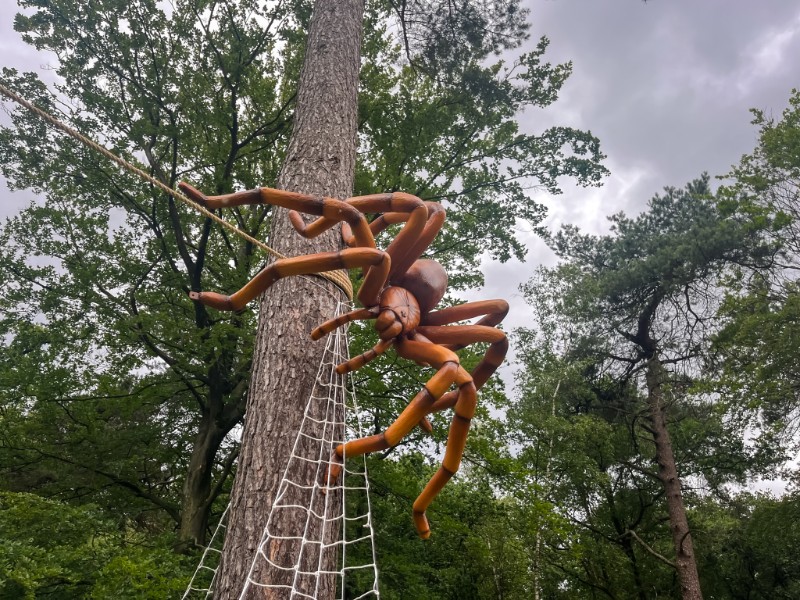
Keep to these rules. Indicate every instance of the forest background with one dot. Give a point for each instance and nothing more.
(680, 120)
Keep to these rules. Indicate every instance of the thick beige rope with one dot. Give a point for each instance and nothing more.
(340, 278)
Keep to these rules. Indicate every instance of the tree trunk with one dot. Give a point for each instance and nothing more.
(320, 160)
(625, 542)
(685, 563)
(537, 550)
(197, 487)
(627, 548)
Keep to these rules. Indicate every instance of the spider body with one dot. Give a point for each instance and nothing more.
(427, 280)
(400, 292)
(399, 313)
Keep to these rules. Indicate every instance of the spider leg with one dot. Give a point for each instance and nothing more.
(331, 210)
(383, 221)
(493, 311)
(400, 264)
(355, 315)
(448, 371)
(304, 265)
(436, 216)
(399, 203)
(362, 359)
(224, 201)
(459, 336)
(354, 225)
(402, 207)
(467, 399)
(456, 437)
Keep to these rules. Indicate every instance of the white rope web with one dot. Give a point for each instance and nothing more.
(201, 584)
(309, 556)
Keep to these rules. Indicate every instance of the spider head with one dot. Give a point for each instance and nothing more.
(399, 313)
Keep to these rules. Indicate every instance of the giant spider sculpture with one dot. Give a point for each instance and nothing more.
(399, 291)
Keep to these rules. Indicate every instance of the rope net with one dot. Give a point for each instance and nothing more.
(329, 539)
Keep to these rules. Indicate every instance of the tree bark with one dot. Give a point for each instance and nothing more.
(320, 160)
(685, 563)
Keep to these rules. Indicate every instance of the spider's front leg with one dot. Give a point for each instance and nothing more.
(349, 258)
(329, 209)
(449, 371)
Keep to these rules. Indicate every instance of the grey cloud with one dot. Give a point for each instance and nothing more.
(666, 85)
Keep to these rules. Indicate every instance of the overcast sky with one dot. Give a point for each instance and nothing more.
(666, 85)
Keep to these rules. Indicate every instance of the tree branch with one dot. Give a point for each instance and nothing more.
(664, 559)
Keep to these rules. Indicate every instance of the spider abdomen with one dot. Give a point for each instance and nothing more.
(427, 280)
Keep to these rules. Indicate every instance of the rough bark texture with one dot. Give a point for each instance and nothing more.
(320, 160)
(685, 563)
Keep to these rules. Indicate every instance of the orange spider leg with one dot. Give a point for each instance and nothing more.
(224, 201)
(415, 215)
(355, 315)
(302, 265)
(493, 311)
(436, 217)
(377, 226)
(381, 222)
(397, 202)
(358, 361)
(385, 220)
(454, 451)
(459, 336)
(448, 372)
(456, 437)
(335, 211)
(330, 210)
(362, 359)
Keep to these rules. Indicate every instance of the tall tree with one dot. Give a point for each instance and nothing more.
(215, 109)
(320, 160)
(96, 298)
(185, 96)
(644, 296)
(472, 151)
(755, 365)
(748, 551)
(580, 442)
